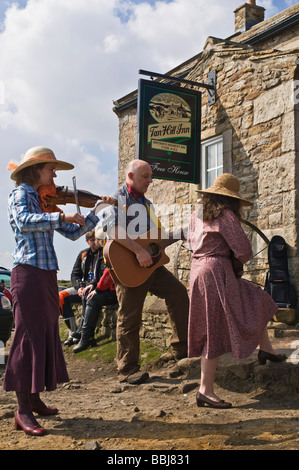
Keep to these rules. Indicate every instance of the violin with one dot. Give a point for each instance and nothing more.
(64, 196)
(52, 196)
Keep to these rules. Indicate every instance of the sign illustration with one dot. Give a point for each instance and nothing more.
(169, 130)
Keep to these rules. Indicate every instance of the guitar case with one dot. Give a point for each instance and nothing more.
(278, 283)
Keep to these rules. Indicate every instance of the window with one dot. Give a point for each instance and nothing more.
(212, 161)
(5, 279)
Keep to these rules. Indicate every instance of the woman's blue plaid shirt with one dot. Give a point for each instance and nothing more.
(34, 229)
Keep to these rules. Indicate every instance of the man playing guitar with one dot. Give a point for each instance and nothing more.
(122, 225)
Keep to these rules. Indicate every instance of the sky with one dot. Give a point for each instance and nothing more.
(64, 62)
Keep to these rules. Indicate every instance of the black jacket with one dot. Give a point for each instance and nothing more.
(82, 267)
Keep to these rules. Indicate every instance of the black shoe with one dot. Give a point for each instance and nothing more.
(76, 336)
(202, 400)
(136, 378)
(82, 345)
(69, 341)
(263, 356)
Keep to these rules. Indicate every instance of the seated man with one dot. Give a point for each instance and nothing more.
(84, 272)
(96, 297)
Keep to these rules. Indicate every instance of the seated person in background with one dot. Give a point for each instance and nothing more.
(84, 272)
(96, 295)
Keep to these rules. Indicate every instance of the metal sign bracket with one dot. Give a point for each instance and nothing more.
(212, 91)
(211, 86)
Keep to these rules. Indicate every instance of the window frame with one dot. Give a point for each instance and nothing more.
(204, 146)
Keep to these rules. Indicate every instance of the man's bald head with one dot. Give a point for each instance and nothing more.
(139, 175)
(134, 165)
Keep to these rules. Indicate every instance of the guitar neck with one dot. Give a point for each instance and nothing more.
(173, 237)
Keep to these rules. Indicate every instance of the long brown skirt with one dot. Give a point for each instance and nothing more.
(35, 360)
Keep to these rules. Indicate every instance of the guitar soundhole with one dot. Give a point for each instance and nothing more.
(153, 249)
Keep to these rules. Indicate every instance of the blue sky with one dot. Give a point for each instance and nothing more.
(64, 62)
(279, 4)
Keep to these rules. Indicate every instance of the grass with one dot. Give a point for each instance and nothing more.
(106, 349)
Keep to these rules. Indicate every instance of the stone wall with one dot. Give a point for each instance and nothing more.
(155, 327)
(256, 115)
(255, 100)
(255, 110)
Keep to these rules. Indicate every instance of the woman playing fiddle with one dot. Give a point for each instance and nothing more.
(36, 359)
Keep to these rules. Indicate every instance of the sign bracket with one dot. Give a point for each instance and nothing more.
(211, 86)
(212, 91)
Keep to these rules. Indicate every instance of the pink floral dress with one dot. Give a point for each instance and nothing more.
(226, 314)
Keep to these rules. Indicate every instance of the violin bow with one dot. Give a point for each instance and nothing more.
(76, 195)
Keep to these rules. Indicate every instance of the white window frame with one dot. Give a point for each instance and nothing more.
(204, 152)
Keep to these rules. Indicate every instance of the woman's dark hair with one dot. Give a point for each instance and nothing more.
(215, 204)
(29, 175)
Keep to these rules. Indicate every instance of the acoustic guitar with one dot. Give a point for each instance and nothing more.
(124, 267)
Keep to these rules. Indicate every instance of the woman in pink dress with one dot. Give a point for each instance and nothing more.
(227, 313)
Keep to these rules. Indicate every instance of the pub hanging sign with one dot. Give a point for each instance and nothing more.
(169, 130)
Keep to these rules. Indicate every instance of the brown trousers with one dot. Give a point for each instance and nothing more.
(163, 284)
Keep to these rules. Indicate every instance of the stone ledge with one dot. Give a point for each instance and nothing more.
(245, 376)
(154, 304)
(285, 315)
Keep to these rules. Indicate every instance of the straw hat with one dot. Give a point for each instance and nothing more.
(226, 185)
(34, 156)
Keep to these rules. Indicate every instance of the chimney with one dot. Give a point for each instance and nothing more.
(247, 15)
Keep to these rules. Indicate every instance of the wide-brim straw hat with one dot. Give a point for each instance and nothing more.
(36, 155)
(226, 185)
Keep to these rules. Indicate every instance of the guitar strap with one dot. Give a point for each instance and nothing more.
(153, 216)
(156, 221)
(104, 243)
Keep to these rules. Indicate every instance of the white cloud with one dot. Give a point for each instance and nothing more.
(270, 8)
(63, 62)
(112, 43)
(6, 260)
(55, 68)
(179, 29)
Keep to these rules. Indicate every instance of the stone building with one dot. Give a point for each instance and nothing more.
(251, 130)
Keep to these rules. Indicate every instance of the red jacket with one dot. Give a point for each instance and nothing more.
(106, 282)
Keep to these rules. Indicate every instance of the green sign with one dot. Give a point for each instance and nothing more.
(169, 130)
